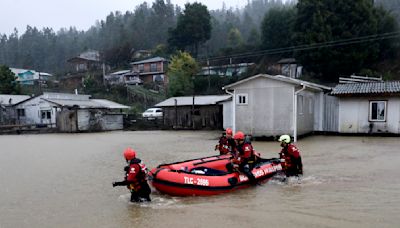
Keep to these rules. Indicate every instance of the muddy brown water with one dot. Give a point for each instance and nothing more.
(64, 180)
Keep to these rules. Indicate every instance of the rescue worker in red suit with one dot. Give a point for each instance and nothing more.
(226, 143)
(245, 158)
(290, 156)
(135, 178)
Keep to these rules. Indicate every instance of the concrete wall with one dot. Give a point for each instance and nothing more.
(354, 116)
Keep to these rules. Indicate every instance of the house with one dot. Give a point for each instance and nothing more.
(226, 70)
(8, 114)
(287, 67)
(368, 107)
(265, 106)
(193, 112)
(71, 112)
(151, 70)
(122, 77)
(30, 77)
(86, 61)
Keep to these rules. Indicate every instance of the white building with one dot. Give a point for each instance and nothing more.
(265, 105)
(71, 112)
(370, 107)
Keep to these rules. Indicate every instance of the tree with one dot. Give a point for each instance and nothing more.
(181, 71)
(319, 22)
(235, 38)
(277, 28)
(193, 28)
(8, 85)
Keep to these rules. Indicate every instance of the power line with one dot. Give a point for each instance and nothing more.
(342, 42)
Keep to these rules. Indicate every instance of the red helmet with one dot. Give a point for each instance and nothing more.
(229, 131)
(239, 136)
(129, 153)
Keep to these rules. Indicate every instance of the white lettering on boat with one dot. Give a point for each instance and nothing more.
(272, 168)
(243, 178)
(197, 181)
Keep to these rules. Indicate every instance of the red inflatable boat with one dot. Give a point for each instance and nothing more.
(207, 176)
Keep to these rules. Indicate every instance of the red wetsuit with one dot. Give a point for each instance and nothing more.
(293, 165)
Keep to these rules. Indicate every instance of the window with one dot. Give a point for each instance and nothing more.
(21, 112)
(45, 114)
(153, 67)
(141, 67)
(242, 99)
(310, 106)
(377, 110)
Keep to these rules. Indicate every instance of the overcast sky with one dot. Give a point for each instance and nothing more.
(79, 13)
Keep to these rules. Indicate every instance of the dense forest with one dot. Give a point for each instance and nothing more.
(326, 36)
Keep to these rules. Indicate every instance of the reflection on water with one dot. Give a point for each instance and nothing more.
(64, 180)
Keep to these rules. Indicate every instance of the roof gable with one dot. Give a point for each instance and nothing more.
(282, 79)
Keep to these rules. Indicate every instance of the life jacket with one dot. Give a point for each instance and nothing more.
(290, 153)
(246, 153)
(136, 174)
(224, 146)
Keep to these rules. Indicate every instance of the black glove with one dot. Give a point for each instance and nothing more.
(114, 184)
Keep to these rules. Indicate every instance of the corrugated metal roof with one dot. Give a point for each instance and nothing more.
(367, 88)
(5, 99)
(78, 103)
(121, 72)
(110, 104)
(152, 60)
(198, 100)
(79, 100)
(65, 96)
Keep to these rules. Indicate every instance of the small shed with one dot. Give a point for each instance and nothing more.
(369, 107)
(193, 112)
(265, 105)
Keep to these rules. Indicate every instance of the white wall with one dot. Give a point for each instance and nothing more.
(227, 114)
(269, 111)
(354, 114)
(33, 110)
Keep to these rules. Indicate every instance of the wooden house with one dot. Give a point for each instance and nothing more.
(193, 112)
(151, 70)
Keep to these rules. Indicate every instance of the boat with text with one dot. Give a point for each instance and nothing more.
(208, 176)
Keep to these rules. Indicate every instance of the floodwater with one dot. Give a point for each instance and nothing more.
(64, 180)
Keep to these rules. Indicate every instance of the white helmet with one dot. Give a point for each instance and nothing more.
(284, 138)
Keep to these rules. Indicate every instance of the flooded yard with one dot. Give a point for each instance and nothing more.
(64, 180)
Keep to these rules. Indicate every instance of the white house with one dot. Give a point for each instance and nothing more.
(265, 105)
(370, 107)
(71, 112)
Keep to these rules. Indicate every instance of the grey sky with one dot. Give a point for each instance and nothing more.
(79, 13)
